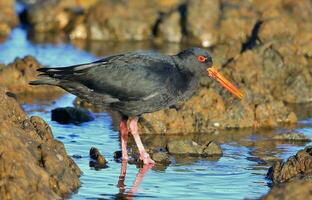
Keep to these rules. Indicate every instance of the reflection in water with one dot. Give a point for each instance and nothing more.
(138, 179)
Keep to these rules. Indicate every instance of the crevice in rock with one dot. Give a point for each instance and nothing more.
(183, 19)
(41, 159)
(253, 39)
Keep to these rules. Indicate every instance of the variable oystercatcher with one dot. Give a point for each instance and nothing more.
(136, 83)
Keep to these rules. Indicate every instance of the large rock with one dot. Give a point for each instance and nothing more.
(298, 166)
(17, 75)
(33, 165)
(292, 179)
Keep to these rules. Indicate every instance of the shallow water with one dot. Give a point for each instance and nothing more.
(239, 173)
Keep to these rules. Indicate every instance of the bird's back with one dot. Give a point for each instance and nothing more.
(132, 83)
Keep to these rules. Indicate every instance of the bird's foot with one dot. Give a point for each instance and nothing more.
(125, 157)
(145, 157)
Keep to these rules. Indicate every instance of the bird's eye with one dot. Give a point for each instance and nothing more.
(201, 58)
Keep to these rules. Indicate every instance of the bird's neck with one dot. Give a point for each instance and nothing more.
(190, 80)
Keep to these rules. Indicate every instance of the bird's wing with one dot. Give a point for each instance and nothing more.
(127, 77)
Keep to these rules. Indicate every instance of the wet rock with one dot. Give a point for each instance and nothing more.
(161, 157)
(42, 168)
(292, 179)
(295, 190)
(292, 137)
(212, 149)
(184, 147)
(298, 166)
(99, 160)
(69, 115)
(194, 149)
(117, 155)
(16, 76)
(8, 18)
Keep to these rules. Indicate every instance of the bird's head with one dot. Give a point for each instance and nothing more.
(199, 62)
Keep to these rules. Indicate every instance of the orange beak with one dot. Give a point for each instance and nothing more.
(213, 73)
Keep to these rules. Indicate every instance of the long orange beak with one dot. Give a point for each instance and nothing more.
(213, 73)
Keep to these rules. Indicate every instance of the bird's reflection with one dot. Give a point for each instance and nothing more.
(123, 194)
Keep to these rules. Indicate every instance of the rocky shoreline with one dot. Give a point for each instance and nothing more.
(33, 165)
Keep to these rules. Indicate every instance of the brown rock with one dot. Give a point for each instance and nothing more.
(32, 163)
(170, 29)
(194, 149)
(100, 161)
(161, 157)
(8, 18)
(297, 166)
(295, 190)
(292, 137)
(212, 149)
(202, 19)
(184, 147)
(16, 76)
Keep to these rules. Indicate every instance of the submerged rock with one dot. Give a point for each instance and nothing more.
(17, 75)
(98, 161)
(298, 166)
(194, 149)
(42, 168)
(69, 115)
(292, 137)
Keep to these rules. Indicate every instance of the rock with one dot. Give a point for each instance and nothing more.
(297, 166)
(161, 157)
(42, 168)
(99, 160)
(184, 147)
(295, 190)
(69, 115)
(117, 155)
(194, 149)
(79, 103)
(16, 76)
(292, 179)
(8, 18)
(201, 21)
(212, 149)
(292, 137)
(170, 29)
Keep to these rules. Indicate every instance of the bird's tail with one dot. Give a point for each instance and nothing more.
(53, 76)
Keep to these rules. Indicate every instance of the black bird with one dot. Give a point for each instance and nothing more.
(136, 83)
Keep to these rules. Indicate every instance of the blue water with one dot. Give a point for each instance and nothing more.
(238, 174)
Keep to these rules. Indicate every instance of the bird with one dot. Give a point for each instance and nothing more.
(134, 83)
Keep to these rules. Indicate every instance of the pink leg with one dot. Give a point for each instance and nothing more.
(133, 125)
(124, 138)
(121, 180)
(138, 179)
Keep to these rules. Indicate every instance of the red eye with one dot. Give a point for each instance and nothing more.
(201, 58)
